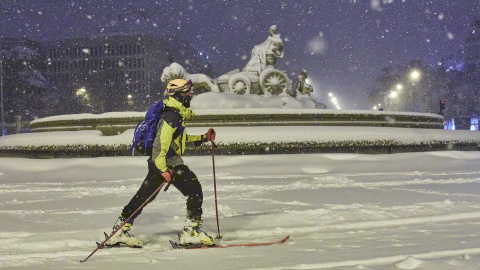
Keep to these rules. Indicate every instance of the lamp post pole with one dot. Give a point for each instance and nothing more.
(415, 77)
(1, 88)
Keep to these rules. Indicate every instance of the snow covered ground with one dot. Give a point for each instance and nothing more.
(342, 211)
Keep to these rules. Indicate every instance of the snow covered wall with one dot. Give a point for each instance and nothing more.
(250, 140)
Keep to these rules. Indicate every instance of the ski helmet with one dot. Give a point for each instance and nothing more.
(179, 89)
(178, 86)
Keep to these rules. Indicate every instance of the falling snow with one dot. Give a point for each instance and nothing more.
(371, 34)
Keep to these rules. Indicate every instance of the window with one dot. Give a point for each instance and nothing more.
(474, 124)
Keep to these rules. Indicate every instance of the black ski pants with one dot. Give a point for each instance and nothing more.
(183, 179)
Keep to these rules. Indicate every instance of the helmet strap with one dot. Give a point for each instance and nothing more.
(186, 102)
(183, 98)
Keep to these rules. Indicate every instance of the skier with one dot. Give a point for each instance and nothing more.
(166, 164)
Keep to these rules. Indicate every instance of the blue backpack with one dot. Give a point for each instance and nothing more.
(145, 132)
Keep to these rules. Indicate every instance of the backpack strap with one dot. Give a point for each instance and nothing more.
(173, 117)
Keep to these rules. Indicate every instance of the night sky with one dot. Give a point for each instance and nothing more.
(342, 43)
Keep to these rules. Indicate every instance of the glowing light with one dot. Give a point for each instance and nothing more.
(399, 87)
(393, 94)
(82, 91)
(334, 100)
(415, 75)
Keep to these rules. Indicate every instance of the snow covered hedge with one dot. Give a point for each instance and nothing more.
(250, 140)
(364, 147)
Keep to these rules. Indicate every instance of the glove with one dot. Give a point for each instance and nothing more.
(211, 135)
(167, 175)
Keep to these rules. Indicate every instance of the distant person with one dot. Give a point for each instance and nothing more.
(166, 164)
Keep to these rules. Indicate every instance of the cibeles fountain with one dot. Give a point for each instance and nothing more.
(256, 98)
(258, 85)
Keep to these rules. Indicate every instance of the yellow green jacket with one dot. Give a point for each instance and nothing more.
(169, 143)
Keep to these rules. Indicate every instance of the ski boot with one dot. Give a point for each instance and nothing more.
(193, 235)
(123, 238)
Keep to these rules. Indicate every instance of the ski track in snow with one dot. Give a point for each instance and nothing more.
(343, 220)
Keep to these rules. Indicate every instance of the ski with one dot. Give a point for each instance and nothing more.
(175, 245)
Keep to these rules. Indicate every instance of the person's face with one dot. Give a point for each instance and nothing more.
(189, 94)
(187, 97)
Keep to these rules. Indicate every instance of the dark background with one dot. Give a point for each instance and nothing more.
(343, 44)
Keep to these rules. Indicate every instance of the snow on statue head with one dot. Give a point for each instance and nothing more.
(265, 54)
(201, 82)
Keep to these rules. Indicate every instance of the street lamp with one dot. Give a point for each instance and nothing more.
(129, 99)
(83, 95)
(1, 88)
(393, 95)
(333, 99)
(415, 75)
(81, 92)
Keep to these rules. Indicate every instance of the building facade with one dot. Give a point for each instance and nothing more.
(464, 71)
(472, 49)
(108, 72)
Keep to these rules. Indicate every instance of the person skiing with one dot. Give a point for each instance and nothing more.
(166, 164)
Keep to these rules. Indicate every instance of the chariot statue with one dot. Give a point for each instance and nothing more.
(259, 75)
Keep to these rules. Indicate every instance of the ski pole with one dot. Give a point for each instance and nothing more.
(111, 235)
(215, 190)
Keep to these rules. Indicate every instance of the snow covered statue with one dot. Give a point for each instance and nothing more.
(303, 88)
(257, 85)
(265, 55)
(259, 75)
